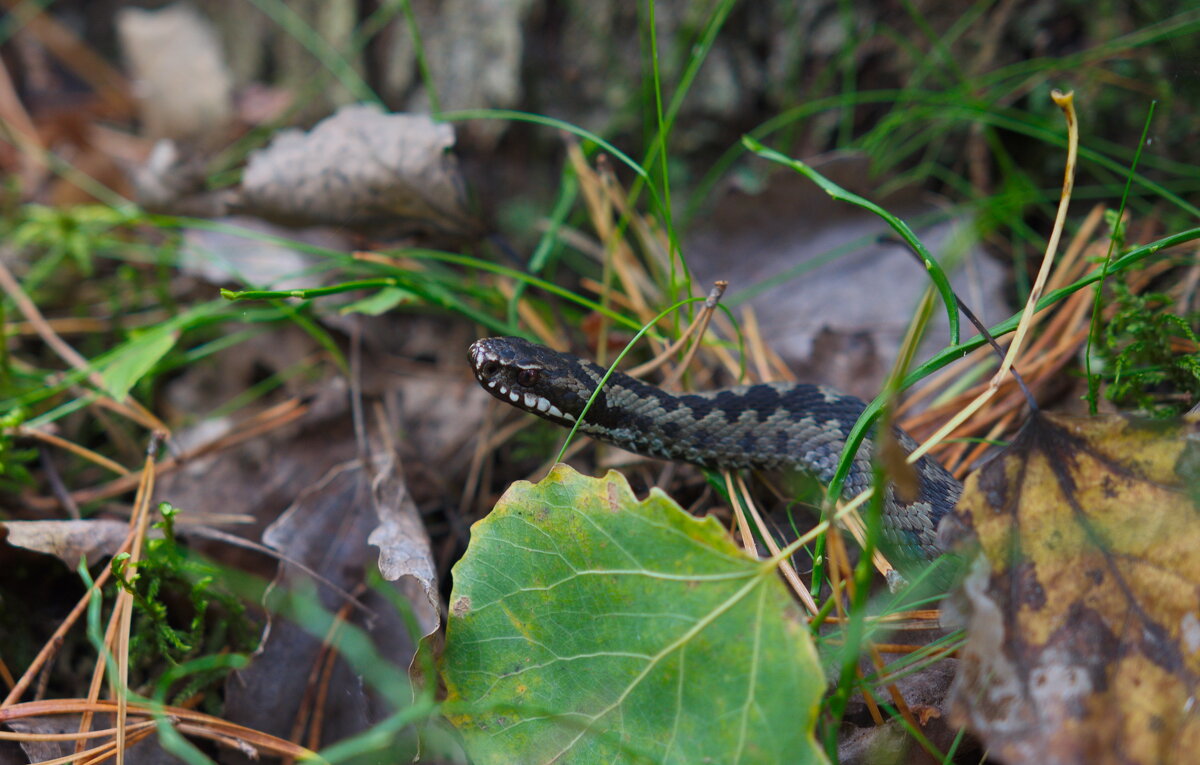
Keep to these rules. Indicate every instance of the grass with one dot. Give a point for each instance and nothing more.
(115, 264)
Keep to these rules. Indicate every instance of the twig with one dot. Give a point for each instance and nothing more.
(737, 492)
(739, 514)
(754, 342)
(57, 487)
(704, 317)
(74, 448)
(698, 327)
(263, 422)
(16, 120)
(185, 720)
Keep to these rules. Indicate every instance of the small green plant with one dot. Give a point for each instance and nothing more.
(1141, 359)
(180, 610)
(13, 473)
(74, 232)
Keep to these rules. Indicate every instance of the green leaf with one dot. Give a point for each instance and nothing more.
(134, 359)
(379, 303)
(586, 626)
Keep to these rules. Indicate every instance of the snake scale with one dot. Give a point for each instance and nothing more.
(769, 426)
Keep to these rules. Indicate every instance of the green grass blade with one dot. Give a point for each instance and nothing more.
(900, 227)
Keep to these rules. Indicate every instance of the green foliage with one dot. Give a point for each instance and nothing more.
(1144, 371)
(953, 102)
(586, 626)
(73, 232)
(180, 610)
(59, 246)
(136, 358)
(379, 303)
(13, 473)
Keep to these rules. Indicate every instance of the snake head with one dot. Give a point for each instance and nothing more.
(531, 377)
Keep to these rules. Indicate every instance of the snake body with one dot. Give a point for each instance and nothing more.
(769, 426)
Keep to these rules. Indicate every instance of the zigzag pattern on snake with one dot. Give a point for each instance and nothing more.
(769, 426)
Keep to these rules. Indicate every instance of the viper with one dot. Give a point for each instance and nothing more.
(768, 426)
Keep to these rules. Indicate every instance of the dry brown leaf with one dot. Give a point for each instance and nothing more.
(404, 548)
(1083, 635)
(837, 322)
(69, 540)
(359, 168)
(326, 529)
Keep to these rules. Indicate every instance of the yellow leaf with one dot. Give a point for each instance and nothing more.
(1083, 635)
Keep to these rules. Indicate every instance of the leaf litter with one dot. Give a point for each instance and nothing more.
(398, 543)
(360, 167)
(1083, 608)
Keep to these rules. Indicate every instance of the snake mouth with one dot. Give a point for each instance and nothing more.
(508, 380)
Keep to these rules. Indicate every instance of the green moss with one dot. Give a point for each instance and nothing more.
(180, 611)
(1142, 364)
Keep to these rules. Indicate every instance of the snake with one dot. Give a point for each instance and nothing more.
(773, 426)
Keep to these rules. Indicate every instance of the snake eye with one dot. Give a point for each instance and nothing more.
(489, 368)
(527, 377)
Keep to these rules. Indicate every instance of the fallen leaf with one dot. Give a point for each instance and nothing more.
(359, 168)
(586, 626)
(326, 529)
(1083, 634)
(403, 542)
(335, 501)
(69, 540)
(804, 259)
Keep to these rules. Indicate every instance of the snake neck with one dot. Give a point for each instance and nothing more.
(769, 426)
(765, 426)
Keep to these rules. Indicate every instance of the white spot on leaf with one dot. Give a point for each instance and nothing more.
(1189, 630)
